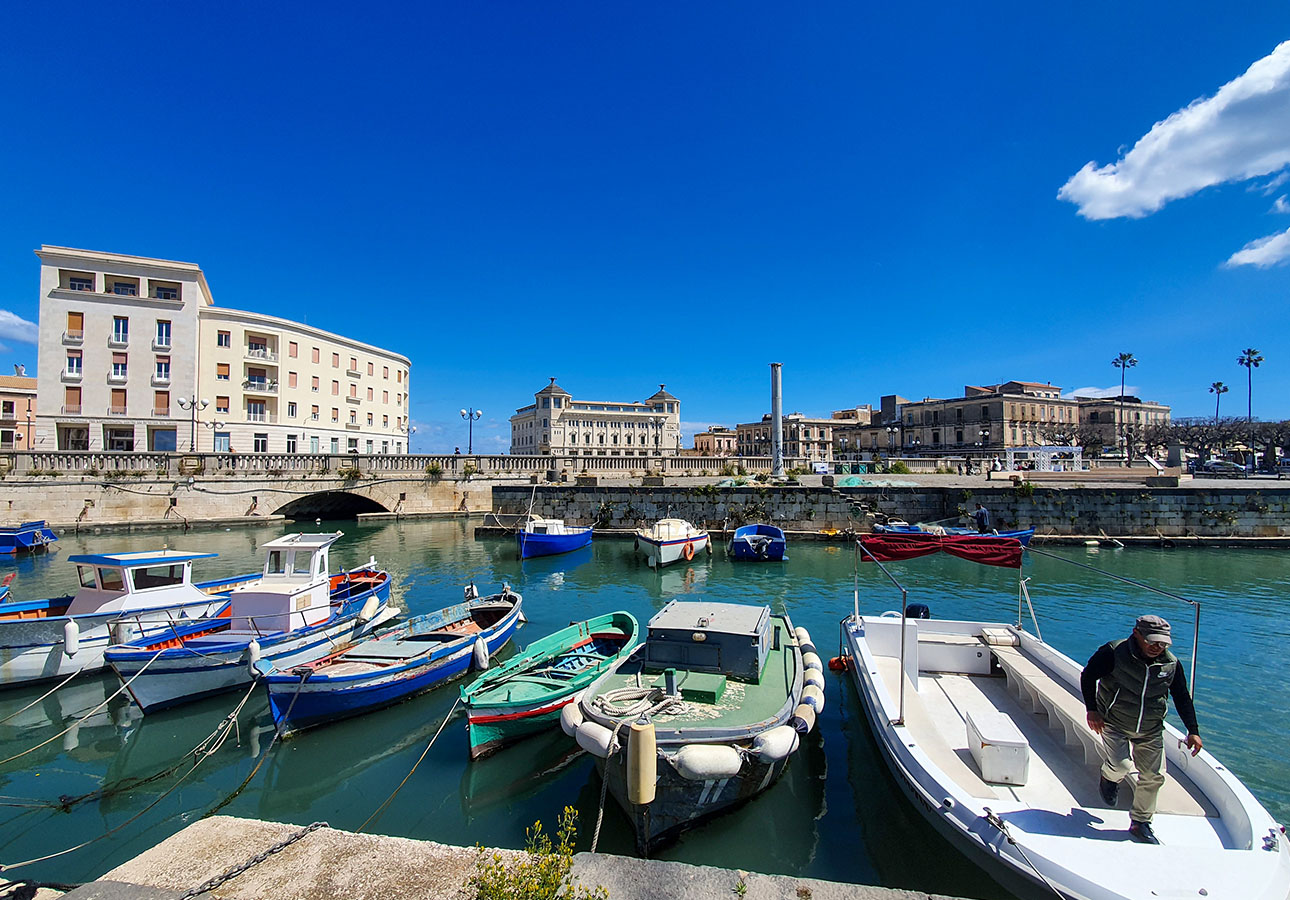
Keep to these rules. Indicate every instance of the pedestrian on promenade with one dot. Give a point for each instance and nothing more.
(1126, 686)
(981, 516)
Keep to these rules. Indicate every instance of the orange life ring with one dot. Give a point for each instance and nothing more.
(688, 552)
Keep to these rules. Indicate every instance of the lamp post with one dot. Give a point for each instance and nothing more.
(193, 404)
(892, 431)
(470, 415)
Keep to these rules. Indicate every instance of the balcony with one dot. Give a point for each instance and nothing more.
(161, 413)
(161, 344)
(353, 426)
(260, 386)
(353, 373)
(69, 377)
(117, 377)
(265, 418)
(353, 400)
(116, 411)
(261, 354)
(72, 410)
(119, 341)
(159, 380)
(74, 337)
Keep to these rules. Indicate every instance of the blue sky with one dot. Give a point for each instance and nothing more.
(886, 200)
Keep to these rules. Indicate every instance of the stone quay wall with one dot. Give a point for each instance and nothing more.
(1243, 510)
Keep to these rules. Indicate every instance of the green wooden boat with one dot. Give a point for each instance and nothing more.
(526, 693)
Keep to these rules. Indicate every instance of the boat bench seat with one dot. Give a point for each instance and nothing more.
(388, 648)
(1064, 710)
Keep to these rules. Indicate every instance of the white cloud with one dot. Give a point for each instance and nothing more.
(16, 328)
(1242, 132)
(1280, 205)
(1265, 252)
(1267, 187)
(1130, 390)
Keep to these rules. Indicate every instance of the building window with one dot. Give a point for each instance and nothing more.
(161, 403)
(335, 445)
(80, 283)
(313, 384)
(335, 388)
(256, 411)
(291, 410)
(314, 354)
(371, 369)
(370, 394)
(163, 368)
(385, 396)
(117, 405)
(369, 448)
(335, 360)
(72, 401)
(353, 417)
(74, 363)
(221, 442)
(120, 330)
(165, 292)
(260, 442)
(385, 421)
(313, 444)
(313, 413)
(163, 333)
(335, 414)
(385, 372)
(291, 379)
(293, 349)
(353, 391)
(369, 418)
(119, 366)
(223, 339)
(125, 289)
(221, 372)
(291, 443)
(221, 405)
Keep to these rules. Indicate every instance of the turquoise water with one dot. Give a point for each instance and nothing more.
(836, 814)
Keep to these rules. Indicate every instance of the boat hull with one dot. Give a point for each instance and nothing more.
(1020, 534)
(531, 545)
(490, 731)
(297, 706)
(664, 553)
(757, 543)
(29, 537)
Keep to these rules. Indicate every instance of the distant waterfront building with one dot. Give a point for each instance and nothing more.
(716, 441)
(17, 411)
(1100, 416)
(124, 338)
(804, 437)
(849, 426)
(556, 424)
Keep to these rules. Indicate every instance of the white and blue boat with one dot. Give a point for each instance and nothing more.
(294, 611)
(391, 666)
(547, 537)
(896, 526)
(122, 595)
(758, 542)
(671, 540)
(29, 537)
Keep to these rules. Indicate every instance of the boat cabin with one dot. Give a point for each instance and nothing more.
(729, 639)
(123, 582)
(538, 525)
(294, 590)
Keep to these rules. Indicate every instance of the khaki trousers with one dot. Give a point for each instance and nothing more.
(1144, 751)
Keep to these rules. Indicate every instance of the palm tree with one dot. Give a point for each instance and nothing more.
(1250, 359)
(1218, 389)
(1123, 362)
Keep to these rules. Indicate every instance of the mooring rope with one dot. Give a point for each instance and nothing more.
(41, 697)
(390, 798)
(1002, 828)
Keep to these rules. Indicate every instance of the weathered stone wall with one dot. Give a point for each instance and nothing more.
(1244, 510)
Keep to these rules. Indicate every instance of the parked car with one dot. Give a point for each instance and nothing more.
(1221, 468)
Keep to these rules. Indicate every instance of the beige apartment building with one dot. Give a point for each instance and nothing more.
(134, 355)
(556, 424)
(17, 411)
(804, 437)
(716, 441)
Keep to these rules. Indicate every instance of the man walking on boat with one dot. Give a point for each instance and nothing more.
(981, 516)
(1126, 686)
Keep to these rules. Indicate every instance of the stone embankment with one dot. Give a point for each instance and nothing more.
(325, 864)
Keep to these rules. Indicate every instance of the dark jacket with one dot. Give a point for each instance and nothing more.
(1132, 691)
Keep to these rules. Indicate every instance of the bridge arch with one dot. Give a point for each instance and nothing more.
(329, 505)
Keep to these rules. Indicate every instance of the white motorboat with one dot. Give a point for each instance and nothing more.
(120, 594)
(671, 540)
(986, 733)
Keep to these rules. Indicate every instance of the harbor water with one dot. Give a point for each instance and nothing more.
(836, 814)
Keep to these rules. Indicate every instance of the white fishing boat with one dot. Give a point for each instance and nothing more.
(121, 595)
(291, 613)
(671, 540)
(983, 726)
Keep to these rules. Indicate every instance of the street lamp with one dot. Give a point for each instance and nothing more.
(192, 403)
(470, 416)
(892, 431)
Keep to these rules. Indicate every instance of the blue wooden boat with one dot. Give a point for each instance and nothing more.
(392, 665)
(29, 537)
(5, 596)
(547, 537)
(896, 526)
(758, 542)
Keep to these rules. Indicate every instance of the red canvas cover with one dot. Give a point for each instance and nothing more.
(989, 551)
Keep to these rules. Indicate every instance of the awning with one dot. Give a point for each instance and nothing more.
(989, 551)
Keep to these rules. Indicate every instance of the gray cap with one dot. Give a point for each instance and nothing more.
(1154, 629)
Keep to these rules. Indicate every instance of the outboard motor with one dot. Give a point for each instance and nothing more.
(918, 611)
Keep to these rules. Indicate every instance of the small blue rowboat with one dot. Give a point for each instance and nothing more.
(547, 537)
(29, 537)
(392, 665)
(895, 526)
(757, 542)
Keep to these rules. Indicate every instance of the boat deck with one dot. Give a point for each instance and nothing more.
(1062, 786)
(741, 705)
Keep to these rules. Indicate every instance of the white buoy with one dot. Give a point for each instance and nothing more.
(642, 763)
(71, 637)
(370, 609)
(571, 718)
(481, 653)
(813, 697)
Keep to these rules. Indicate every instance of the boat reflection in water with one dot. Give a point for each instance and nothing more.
(515, 773)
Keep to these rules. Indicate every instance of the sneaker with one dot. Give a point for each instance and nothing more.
(1108, 789)
(1141, 832)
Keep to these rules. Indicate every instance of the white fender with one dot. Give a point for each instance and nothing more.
(253, 657)
(813, 697)
(595, 739)
(481, 653)
(803, 636)
(571, 718)
(775, 744)
(71, 637)
(803, 719)
(642, 763)
(815, 677)
(707, 762)
(812, 661)
(370, 608)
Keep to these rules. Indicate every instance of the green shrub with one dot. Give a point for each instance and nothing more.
(434, 470)
(542, 875)
(898, 468)
(728, 469)
(469, 470)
